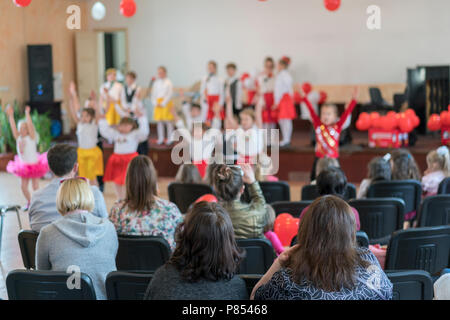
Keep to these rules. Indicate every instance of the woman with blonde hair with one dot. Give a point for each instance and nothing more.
(78, 238)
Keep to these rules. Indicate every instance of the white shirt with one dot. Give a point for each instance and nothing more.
(136, 103)
(189, 120)
(314, 98)
(283, 85)
(247, 142)
(228, 82)
(213, 86)
(114, 91)
(87, 134)
(266, 84)
(162, 89)
(27, 149)
(125, 143)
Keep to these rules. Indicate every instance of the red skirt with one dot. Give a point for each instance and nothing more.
(212, 100)
(116, 168)
(286, 108)
(251, 96)
(268, 115)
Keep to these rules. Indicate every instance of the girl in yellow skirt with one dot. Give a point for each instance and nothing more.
(162, 92)
(110, 93)
(90, 156)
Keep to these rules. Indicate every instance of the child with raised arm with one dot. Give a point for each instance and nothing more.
(90, 156)
(28, 165)
(328, 128)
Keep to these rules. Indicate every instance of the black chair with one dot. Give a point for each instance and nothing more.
(127, 286)
(419, 249)
(27, 244)
(361, 238)
(444, 186)
(411, 285)
(408, 190)
(142, 254)
(184, 194)
(47, 285)
(273, 191)
(293, 208)
(259, 256)
(435, 211)
(380, 217)
(310, 193)
(250, 281)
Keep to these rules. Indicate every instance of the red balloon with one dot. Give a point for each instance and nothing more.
(389, 123)
(332, 5)
(434, 122)
(128, 8)
(416, 121)
(286, 228)
(410, 113)
(445, 118)
(364, 122)
(306, 87)
(405, 123)
(207, 198)
(374, 115)
(22, 3)
(323, 97)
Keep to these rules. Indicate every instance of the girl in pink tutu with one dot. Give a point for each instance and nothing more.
(29, 165)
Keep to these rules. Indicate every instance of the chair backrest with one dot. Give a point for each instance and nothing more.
(435, 211)
(126, 285)
(274, 191)
(419, 249)
(138, 254)
(47, 285)
(184, 194)
(361, 238)
(408, 190)
(27, 244)
(250, 281)
(375, 96)
(294, 208)
(259, 256)
(310, 193)
(411, 285)
(380, 217)
(444, 186)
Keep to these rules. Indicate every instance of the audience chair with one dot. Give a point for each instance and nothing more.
(47, 285)
(411, 285)
(16, 209)
(259, 256)
(380, 217)
(142, 254)
(127, 286)
(250, 281)
(184, 194)
(435, 211)
(361, 238)
(310, 193)
(273, 191)
(419, 249)
(27, 244)
(293, 208)
(444, 186)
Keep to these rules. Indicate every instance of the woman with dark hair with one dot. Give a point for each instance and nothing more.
(249, 219)
(404, 167)
(328, 264)
(143, 213)
(205, 261)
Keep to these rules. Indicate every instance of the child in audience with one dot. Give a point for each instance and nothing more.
(266, 87)
(233, 88)
(328, 129)
(109, 98)
(142, 212)
(188, 173)
(162, 92)
(78, 238)
(324, 164)
(212, 91)
(438, 162)
(28, 165)
(90, 156)
(379, 170)
(284, 101)
(269, 234)
(126, 138)
(404, 166)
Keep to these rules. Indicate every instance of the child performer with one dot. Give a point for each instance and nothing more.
(233, 88)
(212, 91)
(162, 93)
(90, 156)
(265, 88)
(438, 162)
(28, 164)
(284, 101)
(126, 139)
(328, 129)
(193, 112)
(250, 85)
(110, 93)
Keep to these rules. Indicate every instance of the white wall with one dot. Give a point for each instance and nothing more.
(326, 48)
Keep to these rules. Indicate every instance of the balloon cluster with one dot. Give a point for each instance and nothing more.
(436, 121)
(405, 121)
(307, 88)
(286, 228)
(128, 8)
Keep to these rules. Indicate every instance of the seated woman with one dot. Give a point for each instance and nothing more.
(379, 170)
(188, 173)
(249, 219)
(78, 238)
(143, 213)
(333, 182)
(205, 261)
(328, 264)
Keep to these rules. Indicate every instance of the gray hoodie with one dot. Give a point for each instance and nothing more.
(79, 239)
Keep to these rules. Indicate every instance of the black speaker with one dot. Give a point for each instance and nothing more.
(40, 73)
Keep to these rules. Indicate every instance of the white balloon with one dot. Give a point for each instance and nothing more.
(98, 11)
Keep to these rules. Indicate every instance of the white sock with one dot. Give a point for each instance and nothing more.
(286, 131)
(169, 132)
(160, 130)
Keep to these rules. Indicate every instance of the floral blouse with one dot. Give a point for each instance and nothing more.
(161, 220)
